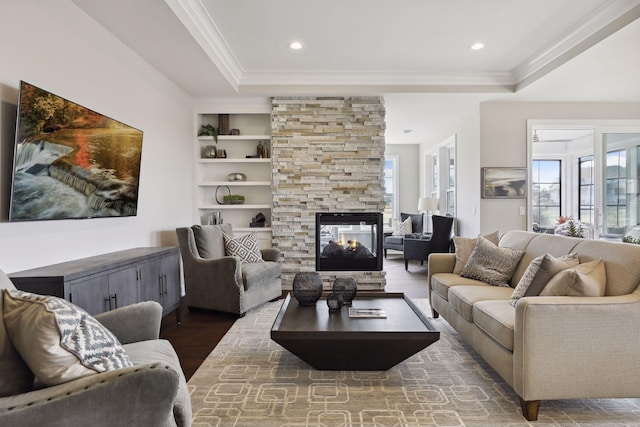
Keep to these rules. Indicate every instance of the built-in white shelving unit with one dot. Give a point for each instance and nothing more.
(252, 119)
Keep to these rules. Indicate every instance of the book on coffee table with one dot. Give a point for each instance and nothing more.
(367, 312)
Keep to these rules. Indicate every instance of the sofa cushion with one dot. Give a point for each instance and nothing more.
(402, 227)
(585, 280)
(209, 240)
(539, 272)
(441, 282)
(15, 375)
(491, 263)
(260, 273)
(59, 341)
(464, 246)
(497, 318)
(145, 352)
(244, 247)
(462, 298)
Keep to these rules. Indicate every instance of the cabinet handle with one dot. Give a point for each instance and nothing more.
(166, 287)
(160, 284)
(115, 300)
(108, 300)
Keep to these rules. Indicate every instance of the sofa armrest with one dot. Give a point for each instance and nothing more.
(136, 396)
(439, 263)
(225, 270)
(271, 254)
(135, 322)
(577, 347)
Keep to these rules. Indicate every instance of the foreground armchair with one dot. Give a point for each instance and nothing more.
(153, 392)
(215, 281)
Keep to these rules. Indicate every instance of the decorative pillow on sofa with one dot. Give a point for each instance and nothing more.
(585, 280)
(464, 246)
(245, 247)
(59, 341)
(15, 375)
(403, 227)
(491, 264)
(538, 274)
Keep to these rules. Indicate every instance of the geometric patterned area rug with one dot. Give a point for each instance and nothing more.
(249, 380)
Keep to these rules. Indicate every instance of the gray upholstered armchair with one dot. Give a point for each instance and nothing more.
(153, 392)
(397, 242)
(215, 281)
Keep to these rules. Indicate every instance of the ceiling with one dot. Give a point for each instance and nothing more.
(416, 53)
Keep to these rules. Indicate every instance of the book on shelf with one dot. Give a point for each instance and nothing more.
(377, 313)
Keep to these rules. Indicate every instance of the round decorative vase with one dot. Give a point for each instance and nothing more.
(307, 287)
(334, 301)
(345, 286)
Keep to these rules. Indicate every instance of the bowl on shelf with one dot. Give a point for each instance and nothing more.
(236, 176)
(233, 199)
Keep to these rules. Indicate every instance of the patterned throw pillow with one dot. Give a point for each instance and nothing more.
(464, 246)
(539, 272)
(585, 280)
(403, 227)
(245, 247)
(491, 264)
(58, 340)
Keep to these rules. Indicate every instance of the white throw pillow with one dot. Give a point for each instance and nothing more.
(58, 340)
(403, 227)
(538, 274)
(245, 247)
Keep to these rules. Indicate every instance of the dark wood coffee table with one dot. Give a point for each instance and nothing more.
(335, 341)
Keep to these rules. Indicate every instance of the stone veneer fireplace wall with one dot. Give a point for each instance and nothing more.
(328, 156)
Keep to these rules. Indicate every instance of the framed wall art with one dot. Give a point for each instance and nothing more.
(504, 183)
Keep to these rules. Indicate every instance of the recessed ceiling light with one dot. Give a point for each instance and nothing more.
(295, 45)
(477, 46)
(407, 131)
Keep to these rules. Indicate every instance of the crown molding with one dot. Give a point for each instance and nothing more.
(374, 78)
(199, 23)
(610, 18)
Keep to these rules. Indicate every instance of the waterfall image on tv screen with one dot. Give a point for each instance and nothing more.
(71, 162)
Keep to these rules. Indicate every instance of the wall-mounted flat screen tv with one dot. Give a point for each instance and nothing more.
(71, 162)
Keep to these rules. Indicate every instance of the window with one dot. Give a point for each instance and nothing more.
(586, 183)
(451, 189)
(391, 190)
(616, 191)
(435, 177)
(545, 199)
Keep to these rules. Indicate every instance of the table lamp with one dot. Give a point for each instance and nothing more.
(428, 204)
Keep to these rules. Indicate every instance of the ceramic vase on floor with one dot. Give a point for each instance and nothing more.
(307, 287)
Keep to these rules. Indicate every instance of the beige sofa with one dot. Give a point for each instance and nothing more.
(550, 347)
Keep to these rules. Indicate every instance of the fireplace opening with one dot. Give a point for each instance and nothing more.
(349, 241)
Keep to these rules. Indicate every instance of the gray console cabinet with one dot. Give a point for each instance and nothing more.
(104, 282)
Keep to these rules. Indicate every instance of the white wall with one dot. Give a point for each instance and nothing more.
(55, 46)
(409, 179)
(465, 125)
(503, 131)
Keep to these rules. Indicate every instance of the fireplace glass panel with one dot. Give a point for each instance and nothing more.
(349, 241)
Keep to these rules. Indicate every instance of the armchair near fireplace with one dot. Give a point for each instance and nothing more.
(418, 248)
(215, 281)
(396, 241)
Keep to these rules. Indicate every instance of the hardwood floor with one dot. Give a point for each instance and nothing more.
(200, 331)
